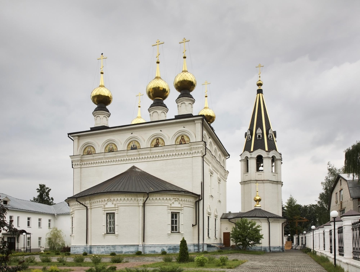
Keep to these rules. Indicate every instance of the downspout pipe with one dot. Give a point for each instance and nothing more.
(87, 221)
(202, 186)
(147, 197)
(269, 233)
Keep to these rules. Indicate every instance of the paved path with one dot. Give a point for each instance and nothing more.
(288, 261)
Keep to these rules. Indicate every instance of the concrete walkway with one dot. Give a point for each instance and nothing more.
(288, 261)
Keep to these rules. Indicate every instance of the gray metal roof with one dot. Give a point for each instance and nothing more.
(254, 213)
(133, 180)
(353, 184)
(16, 204)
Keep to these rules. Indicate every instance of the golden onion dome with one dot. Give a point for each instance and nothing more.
(138, 120)
(101, 95)
(185, 81)
(157, 88)
(208, 113)
(257, 198)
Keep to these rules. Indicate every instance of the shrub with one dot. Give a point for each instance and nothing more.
(191, 259)
(101, 268)
(57, 253)
(163, 252)
(246, 234)
(67, 254)
(116, 259)
(44, 268)
(112, 254)
(223, 260)
(201, 260)
(170, 269)
(79, 259)
(183, 253)
(211, 259)
(235, 260)
(15, 260)
(85, 253)
(138, 252)
(205, 252)
(54, 269)
(45, 259)
(61, 260)
(167, 259)
(36, 270)
(95, 259)
(30, 259)
(55, 239)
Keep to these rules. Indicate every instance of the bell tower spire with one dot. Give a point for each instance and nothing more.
(260, 160)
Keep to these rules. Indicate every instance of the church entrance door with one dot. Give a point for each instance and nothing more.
(226, 239)
(11, 243)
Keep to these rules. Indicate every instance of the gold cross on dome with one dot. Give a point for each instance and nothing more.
(184, 41)
(139, 95)
(206, 83)
(157, 45)
(259, 66)
(102, 58)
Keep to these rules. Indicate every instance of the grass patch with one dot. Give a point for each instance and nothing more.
(70, 264)
(325, 263)
(229, 265)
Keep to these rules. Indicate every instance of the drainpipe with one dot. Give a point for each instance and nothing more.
(144, 217)
(269, 233)
(196, 211)
(202, 186)
(87, 221)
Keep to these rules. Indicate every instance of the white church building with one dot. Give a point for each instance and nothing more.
(144, 186)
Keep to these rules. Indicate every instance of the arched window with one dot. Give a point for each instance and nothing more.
(273, 166)
(246, 165)
(259, 164)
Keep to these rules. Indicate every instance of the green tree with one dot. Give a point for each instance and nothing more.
(55, 239)
(246, 234)
(184, 252)
(5, 251)
(292, 212)
(352, 160)
(43, 195)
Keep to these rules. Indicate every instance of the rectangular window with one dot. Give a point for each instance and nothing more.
(39, 241)
(11, 219)
(110, 223)
(39, 223)
(28, 242)
(208, 228)
(175, 218)
(336, 198)
(341, 195)
(49, 224)
(29, 222)
(18, 221)
(215, 228)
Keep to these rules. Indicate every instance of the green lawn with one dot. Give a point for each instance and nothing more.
(229, 265)
(325, 262)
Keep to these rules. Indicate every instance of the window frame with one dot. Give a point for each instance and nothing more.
(28, 242)
(108, 221)
(39, 241)
(175, 222)
(49, 223)
(28, 222)
(39, 223)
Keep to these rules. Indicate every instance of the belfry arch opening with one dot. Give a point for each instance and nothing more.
(246, 165)
(273, 164)
(259, 163)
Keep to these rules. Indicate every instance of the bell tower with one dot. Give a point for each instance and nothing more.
(260, 160)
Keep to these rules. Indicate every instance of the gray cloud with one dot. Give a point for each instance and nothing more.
(48, 69)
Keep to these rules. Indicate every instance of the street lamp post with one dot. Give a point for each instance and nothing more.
(304, 237)
(313, 228)
(334, 214)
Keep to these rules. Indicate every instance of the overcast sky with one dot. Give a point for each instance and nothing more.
(310, 51)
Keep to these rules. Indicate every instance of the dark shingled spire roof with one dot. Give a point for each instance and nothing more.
(133, 180)
(260, 134)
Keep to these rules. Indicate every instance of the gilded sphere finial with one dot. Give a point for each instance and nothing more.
(209, 115)
(101, 95)
(259, 83)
